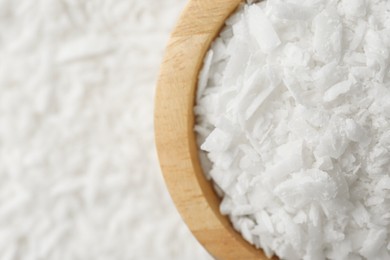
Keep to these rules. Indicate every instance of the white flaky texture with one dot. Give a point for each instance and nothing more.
(79, 179)
(293, 115)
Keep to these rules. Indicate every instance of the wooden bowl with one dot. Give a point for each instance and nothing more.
(193, 195)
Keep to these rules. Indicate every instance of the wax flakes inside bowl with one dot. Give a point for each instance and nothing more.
(293, 115)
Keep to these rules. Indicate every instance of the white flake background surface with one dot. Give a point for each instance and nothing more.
(79, 177)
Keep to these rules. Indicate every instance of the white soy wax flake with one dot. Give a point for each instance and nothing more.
(327, 39)
(261, 28)
(294, 119)
(218, 140)
(337, 90)
(356, 133)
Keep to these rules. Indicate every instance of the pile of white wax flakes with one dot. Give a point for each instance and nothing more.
(79, 177)
(293, 111)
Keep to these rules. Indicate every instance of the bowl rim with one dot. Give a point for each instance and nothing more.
(177, 150)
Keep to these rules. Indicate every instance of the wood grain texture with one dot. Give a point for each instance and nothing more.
(175, 139)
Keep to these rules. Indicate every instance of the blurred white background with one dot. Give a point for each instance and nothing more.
(79, 177)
